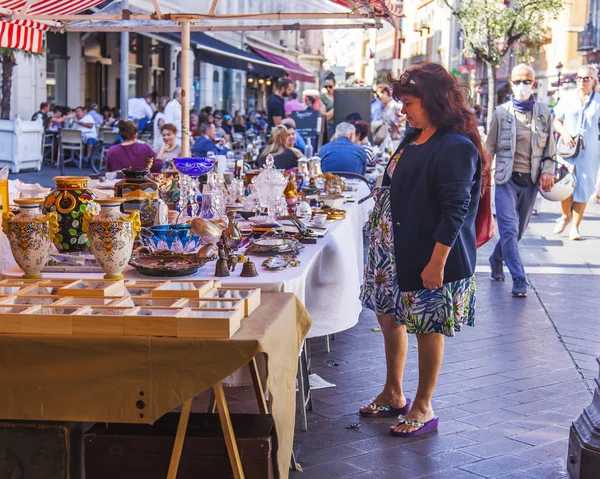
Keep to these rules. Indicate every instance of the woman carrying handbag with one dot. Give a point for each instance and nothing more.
(579, 146)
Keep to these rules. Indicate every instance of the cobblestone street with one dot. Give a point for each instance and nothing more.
(509, 388)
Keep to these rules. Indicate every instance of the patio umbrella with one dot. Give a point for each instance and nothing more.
(27, 34)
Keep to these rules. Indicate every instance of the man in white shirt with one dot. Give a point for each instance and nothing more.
(173, 113)
(139, 109)
(85, 123)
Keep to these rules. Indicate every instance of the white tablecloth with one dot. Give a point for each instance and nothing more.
(327, 280)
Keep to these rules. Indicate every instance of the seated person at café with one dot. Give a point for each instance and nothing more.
(84, 122)
(343, 154)
(299, 142)
(285, 158)
(362, 139)
(131, 153)
(170, 149)
(206, 142)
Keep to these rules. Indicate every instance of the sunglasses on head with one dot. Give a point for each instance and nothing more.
(583, 79)
(405, 79)
(524, 82)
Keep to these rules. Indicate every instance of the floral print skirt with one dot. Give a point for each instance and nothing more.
(444, 310)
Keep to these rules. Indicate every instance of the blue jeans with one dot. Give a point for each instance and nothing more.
(514, 205)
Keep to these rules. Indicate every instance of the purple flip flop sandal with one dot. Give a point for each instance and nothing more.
(424, 427)
(385, 411)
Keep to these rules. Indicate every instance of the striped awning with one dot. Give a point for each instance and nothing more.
(28, 34)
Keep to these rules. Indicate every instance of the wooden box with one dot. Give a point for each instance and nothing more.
(153, 321)
(97, 287)
(182, 289)
(140, 301)
(101, 320)
(143, 452)
(251, 296)
(29, 299)
(11, 318)
(82, 301)
(209, 323)
(48, 319)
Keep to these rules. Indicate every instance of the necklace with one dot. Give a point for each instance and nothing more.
(414, 142)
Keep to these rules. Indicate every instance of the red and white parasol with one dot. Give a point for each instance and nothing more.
(28, 34)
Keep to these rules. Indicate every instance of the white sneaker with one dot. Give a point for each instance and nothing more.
(561, 224)
(574, 234)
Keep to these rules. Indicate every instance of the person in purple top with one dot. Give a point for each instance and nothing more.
(131, 153)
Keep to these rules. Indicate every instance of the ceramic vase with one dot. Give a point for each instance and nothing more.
(140, 192)
(112, 235)
(70, 200)
(30, 235)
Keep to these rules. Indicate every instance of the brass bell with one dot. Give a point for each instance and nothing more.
(249, 270)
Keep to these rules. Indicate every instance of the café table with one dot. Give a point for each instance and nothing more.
(135, 379)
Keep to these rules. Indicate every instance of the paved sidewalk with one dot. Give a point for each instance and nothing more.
(509, 388)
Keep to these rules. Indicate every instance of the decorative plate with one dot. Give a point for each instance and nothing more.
(168, 264)
(280, 262)
(274, 245)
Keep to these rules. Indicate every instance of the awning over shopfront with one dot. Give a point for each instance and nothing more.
(28, 34)
(216, 52)
(294, 71)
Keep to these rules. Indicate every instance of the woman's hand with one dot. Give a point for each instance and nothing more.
(433, 275)
(568, 140)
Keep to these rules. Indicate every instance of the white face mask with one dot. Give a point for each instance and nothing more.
(522, 92)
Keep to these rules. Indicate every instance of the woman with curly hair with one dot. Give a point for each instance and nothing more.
(419, 275)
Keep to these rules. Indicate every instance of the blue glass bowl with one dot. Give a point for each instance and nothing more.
(194, 166)
(176, 238)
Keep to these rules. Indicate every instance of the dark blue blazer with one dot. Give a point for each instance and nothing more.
(434, 194)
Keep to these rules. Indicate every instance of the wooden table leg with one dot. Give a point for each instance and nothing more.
(258, 389)
(179, 438)
(232, 449)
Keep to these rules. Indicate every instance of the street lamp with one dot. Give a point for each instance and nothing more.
(559, 67)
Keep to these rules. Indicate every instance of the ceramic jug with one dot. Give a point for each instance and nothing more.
(30, 235)
(112, 235)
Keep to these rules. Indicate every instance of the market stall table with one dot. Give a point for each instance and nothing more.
(106, 379)
(327, 282)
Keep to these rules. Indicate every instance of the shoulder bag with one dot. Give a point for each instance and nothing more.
(568, 152)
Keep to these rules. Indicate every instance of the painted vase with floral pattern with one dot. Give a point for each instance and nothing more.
(70, 200)
(112, 235)
(30, 235)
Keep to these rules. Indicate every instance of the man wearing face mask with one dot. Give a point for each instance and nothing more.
(520, 137)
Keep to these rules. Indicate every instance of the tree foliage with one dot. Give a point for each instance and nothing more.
(493, 27)
(8, 61)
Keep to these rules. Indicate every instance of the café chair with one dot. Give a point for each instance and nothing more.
(48, 144)
(71, 139)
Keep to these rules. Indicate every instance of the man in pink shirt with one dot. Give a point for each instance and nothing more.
(293, 104)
